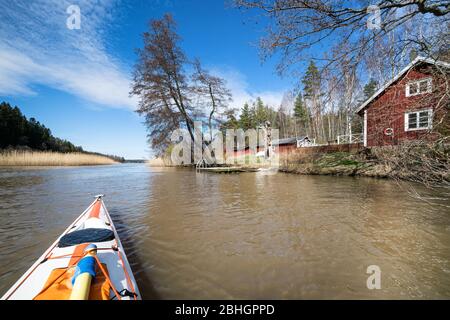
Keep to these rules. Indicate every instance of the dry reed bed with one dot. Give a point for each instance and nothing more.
(38, 158)
(159, 162)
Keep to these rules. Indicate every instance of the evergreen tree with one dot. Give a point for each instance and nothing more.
(300, 111)
(18, 132)
(261, 113)
(246, 118)
(413, 54)
(231, 122)
(312, 81)
(370, 88)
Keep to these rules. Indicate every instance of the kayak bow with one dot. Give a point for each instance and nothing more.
(87, 262)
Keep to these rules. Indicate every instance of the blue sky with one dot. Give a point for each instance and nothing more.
(76, 82)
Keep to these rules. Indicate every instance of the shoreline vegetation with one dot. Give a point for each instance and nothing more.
(49, 158)
(421, 162)
(336, 164)
(425, 163)
(27, 142)
(159, 162)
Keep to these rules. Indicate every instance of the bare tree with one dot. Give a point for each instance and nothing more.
(212, 91)
(161, 83)
(170, 97)
(298, 28)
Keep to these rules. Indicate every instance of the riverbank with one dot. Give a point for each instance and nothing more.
(423, 162)
(338, 163)
(39, 158)
(428, 164)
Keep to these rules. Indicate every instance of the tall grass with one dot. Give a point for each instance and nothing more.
(40, 158)
(157, 162)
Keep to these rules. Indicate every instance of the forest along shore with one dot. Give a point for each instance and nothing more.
(27, 142)
(40, 158)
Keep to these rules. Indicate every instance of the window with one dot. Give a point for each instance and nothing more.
(415, 88)
(418, 120)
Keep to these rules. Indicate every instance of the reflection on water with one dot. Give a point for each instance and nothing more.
(249, 236)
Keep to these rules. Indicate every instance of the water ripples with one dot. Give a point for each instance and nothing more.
(249, 236)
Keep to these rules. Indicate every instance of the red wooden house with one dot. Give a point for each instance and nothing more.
(407, 107)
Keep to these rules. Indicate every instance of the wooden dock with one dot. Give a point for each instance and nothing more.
(226, 169)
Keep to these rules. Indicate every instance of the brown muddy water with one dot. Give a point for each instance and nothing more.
(245, 236)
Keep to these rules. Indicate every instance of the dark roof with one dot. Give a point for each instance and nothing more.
(277, 142)
(291, 140)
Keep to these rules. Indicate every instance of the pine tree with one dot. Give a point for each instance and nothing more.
(231, 122)
(312, 83)
(18, 132)
(301, 114)
(370, 88)
(413, 54)
(261, 113)
(300, 111)
(246, 119)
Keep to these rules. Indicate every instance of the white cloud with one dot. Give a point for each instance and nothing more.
(38, 48)
(240, 88)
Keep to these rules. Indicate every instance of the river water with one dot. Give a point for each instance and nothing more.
(247, 236)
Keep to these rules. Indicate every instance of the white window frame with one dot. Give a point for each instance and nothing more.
(430, 120)
(365, 128)
(417, 82)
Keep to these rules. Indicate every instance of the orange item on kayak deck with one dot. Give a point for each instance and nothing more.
(95, 211)
(78, 253)
(59, 285)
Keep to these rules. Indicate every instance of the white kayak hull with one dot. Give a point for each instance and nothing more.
(109, 253)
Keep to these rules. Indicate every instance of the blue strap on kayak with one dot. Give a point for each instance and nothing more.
(87, 264)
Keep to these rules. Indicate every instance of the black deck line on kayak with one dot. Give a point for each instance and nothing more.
(88, 235)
